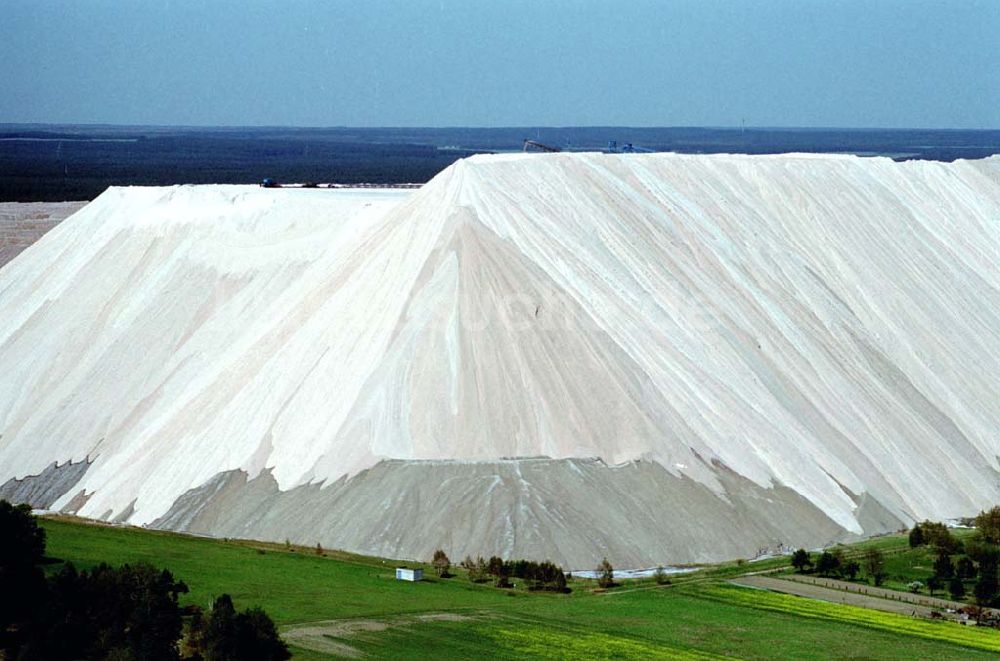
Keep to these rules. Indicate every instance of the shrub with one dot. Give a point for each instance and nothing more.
(801, 560)
(441, 563)
(965, 568)
(247, 636)
(875, 566)
(986, 589)
(477, 568)
(956, 588)
(605, 574)
(988, 525)
(828, 564)
(937, 535)
(943, 566)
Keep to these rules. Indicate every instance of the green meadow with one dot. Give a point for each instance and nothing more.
(343, 604)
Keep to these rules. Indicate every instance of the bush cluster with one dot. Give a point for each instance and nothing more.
(537, 575)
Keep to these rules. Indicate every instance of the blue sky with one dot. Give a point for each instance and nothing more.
(808, 63)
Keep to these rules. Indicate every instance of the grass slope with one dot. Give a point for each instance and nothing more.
(697, 617)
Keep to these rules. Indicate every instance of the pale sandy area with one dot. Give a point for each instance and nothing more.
(23, 223)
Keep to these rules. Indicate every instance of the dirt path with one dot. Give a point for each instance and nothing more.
(836, 596)
(330, 636)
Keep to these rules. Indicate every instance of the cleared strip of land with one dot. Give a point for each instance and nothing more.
(876, 599)
(918, 599)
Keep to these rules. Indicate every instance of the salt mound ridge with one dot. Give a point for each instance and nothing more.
(685, 357)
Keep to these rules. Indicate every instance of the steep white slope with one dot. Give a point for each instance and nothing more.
(825, 324)
(162, 332)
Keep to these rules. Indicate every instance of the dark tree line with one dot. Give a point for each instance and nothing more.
(833, 564)
(127, 612)
(123, 613)
(536, 575)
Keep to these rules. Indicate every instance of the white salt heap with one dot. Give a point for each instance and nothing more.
(824, 329)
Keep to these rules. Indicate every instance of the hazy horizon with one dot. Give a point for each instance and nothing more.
(304, 127)
(893, 64)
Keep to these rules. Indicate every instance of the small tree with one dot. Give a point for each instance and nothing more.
(481, 569)
(559, 584)
(943, 566)
(495, 566)
(605, 574)
(875, 565)
(988, 525)
(248, 635)
(319, 549)
(441, 563)
(195, 630)
(851, 569)
(916, 536)
(986, 555)
(937, 535)
(957, 589)
(986, 589)
(914, 586)
(801, 560)
(500, 571)
(660, 576)
(933, 584)
(469, 565)
(828, 564)
(257, 638)
(965, 568)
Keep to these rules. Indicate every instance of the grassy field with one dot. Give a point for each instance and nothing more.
(353, 603)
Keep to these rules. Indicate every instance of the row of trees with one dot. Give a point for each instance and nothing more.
(833, 564)
(537, 575)
(122, 613)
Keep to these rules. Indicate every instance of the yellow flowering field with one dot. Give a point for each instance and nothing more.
(546, 643)
(984, 639)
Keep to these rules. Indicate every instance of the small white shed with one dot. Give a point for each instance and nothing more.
(406, 574)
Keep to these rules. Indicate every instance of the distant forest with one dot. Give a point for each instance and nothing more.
(55, 163)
